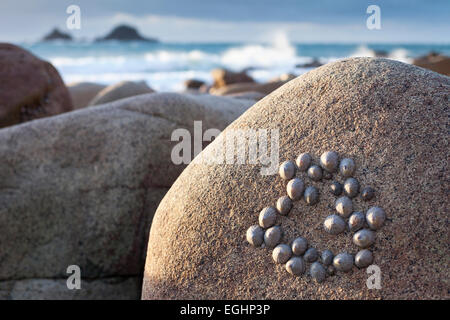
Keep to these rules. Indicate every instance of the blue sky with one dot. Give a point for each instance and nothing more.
(410, 21)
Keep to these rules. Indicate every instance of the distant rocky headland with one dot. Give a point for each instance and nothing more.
(119, 33)
(56, 34)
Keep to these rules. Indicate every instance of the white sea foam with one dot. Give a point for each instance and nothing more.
(165, 66)
(399, 54)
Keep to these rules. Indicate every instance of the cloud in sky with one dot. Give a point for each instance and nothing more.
(233, 20)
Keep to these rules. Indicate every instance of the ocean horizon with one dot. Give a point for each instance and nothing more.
(164, 66)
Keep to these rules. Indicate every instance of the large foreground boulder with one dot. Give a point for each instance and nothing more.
(83, 92)
(120, 90)
(81, 189)
(391, 118)
(30, 88)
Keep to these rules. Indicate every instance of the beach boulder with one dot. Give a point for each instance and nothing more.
(224, 77)
(193, 84)
(120, 90)
(391, 118)
(81, 189)
(434, 61)
(83, 92)
(30, 88)
(264, 88)
(253, 95)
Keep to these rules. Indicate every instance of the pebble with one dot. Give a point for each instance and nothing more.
(299, 246)
(356, 221)
(347, 167)
(344, 206)
(327, 257)
(267, 217)
(318, 272)
(272, 236)
(334, 224)
(281, 253)
(296, 266)
(255, 235)
(329, 161)
(343, 262)
(295, 188)
(311, 255)
(363, 258)
(315, 173)
(375, 218)
(287, 170)
(367, 193)
(351, 187)
(364, 238)
(311, 195)
(284, 205)
(336, 188)
(303, 161)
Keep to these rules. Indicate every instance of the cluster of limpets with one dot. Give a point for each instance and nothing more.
(298, 253)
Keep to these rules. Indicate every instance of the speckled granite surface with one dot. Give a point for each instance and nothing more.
(392, 119)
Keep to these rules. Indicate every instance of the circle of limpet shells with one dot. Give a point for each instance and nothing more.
(363, 226)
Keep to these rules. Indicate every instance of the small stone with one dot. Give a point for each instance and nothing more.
(327, 175)
(356, 221)
(272, 236)
(287, 170)
(336, 188)
(364, 238)
(347, 167)
(318, 272)
(375, 218)
(367, 193)
(334, 224)
(344, 206)
(351, 187)
(343, 262)
(295, 188)
(284, 205)
(299, 246)
(267, 217)
(329, 161)
(311, 195)
(331, 270)
(327, 257)
(303, 161)
(296, 266)
(363, 258)
(315, 173)
(281, 253)
(255, 235)
(311, 255)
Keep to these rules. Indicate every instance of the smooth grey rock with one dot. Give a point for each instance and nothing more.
(82, 187)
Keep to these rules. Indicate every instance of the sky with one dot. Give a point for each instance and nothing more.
(402, 21)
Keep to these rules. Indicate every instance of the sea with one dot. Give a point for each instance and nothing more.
(165, 66)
